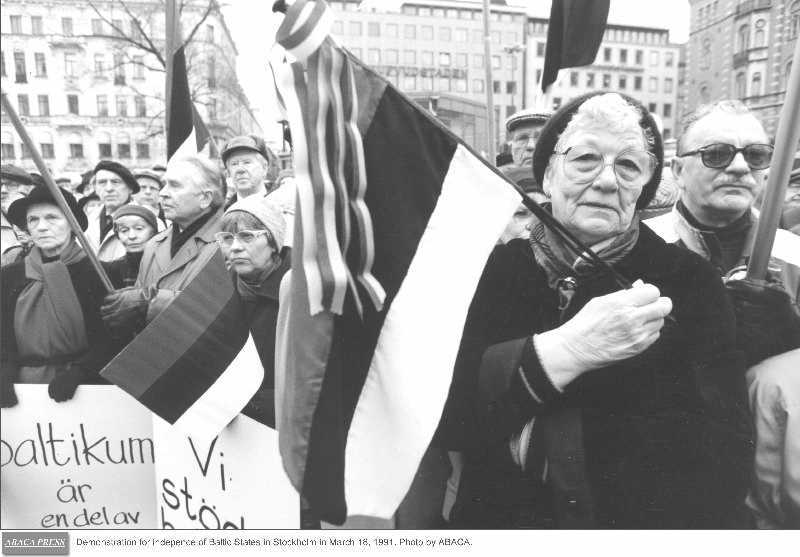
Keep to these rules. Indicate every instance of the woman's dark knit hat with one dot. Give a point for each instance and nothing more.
(138, 211)
(18, 211)
(557, 123)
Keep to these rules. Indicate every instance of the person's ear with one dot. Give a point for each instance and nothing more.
(677, 166)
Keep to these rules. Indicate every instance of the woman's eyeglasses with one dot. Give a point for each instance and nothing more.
(633, 168)
(245, 237)
(720, 155)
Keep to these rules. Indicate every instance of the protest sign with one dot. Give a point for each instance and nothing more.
(84, 463)
(235, 481)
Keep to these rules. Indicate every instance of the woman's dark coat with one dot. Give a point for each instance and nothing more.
(661, 440)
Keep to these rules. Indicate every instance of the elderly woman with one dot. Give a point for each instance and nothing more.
(134, 225)
(252, 237)
(582, 405)
(51, 327)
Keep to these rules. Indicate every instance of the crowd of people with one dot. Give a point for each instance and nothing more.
(578, 400)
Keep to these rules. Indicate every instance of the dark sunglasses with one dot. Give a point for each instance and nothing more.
(720, 155)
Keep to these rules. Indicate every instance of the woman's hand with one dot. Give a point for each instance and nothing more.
(609, 328)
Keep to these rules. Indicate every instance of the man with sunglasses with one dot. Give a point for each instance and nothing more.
(723, 156)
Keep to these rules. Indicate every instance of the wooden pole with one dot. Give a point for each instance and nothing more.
(487, 54)
(786, 140)
(55, 191)
(170, 44)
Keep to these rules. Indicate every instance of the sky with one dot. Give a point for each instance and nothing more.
(253, 25)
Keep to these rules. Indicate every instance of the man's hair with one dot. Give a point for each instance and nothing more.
(730, 106)
(209, 174)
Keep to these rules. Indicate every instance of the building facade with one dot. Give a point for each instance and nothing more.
(86, 81)
(742, 49)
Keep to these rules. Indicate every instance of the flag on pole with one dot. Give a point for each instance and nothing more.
(395, 220)
(187, 134)
(195, 365)
(574, 34)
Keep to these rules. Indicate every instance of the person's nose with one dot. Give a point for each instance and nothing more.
(606, 179)
(530, 145)
(236, 245)
(738, 165)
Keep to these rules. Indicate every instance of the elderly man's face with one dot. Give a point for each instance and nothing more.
(10, 191)
(247, 172)
(719, 196)
(523, 142)
(601, 208)
(183, 197)
(111, 189)
(148, 192)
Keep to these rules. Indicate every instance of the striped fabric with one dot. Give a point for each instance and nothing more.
(195, 364)
(401, 204)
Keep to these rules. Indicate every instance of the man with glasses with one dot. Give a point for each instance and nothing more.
(723, 155)
(115, 185)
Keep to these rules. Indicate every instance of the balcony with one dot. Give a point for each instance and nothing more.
(750, 55)
(748, 6)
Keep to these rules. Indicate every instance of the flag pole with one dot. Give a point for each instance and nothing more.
(170, 37)
(55, 192)
(786, 140)
(487, 54)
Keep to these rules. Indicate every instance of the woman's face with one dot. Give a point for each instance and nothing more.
(600, 208)
(133, 231)
(48, 228)
(249, 260)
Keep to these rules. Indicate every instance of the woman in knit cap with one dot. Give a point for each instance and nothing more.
(252, 241)
(51, 327)
(578, 403)
(134, 225)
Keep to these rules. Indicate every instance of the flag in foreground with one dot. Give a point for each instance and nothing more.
(195, 364)
(573, 36)
(187, 134)
(395, 220)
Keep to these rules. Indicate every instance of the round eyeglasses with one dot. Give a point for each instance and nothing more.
(633, 168)
(245, 237)
(719, 155)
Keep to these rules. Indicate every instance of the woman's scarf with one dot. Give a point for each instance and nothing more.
(559, 262)
(48, 320)
(265, 286)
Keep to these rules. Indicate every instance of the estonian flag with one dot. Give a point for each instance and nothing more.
(573, 36)
(195, 365)
(395, 220)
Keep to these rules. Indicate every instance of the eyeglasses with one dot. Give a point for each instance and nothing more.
(720, 155)
(245, 237)
(633, 168)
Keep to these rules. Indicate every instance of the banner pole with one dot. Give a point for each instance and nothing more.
(786, 139)
(487, 54)
(59, 198)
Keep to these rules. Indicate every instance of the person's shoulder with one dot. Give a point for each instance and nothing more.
(12, 272)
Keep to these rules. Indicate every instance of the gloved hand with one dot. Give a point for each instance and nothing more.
(607, 329)
(158, 300)
(767, 322)
(8, 396)
(65, 383)
(123, 311)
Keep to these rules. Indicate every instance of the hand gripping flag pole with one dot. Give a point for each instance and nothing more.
(59, 198)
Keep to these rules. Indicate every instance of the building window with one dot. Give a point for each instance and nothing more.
(445, 34)
(2, 63)
(589, 79)
(668, 85)
(427, 33)
(116, 27)
(138, 67)
(477, 86)
(741, 85)
(47, 150)
(41, 66)
(122, 105)
(669, 59)
(758, 39)
(622, 82)
(639, 57)
(623, 55)
(26, 152)
(495, 62)
(667, 134)
(16, 24)
(637, 83)
(373, 56)
(44, 105)
(755, 85)
(391, 57)
(667, 110)
(142, 151)
(606, 54)
(461, 60)
(510, 37)
(76, 150)
(461, 35)
(496, 87)
(70, 69)
(22, 105)
(743, 38)
(7, 150)
(104, 150)
(477, 60)
(338, 27)
(511, 87)
(391, 30)
(140, 106)
(212, 72)
(794, 19)
(209, 32)
(427, 58)
(373, 29)
(36, 25)
(444, 84)
(99, 65)
(20, 73)
(119, 70)
(410, 57)
(124, 150)
(409, 83)
(410, 32)
(355, 28)
(102, 105)
(97, 27)
(72, 104)
(495, 37)
(477, 36)
(654, 58)
(652, 107)
(444, 58)
(212, 109)
(540, 49)
(652, 84)
(556, 103)
(427, 83)
(66, 26)
(606, 81)
(573, 79)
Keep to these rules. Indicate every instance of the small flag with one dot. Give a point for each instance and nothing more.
(395, 220)
(195, 365)
(573, 36)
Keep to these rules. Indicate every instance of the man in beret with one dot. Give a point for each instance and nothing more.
(115, 185)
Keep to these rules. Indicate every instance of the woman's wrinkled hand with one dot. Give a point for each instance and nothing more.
(607, 329)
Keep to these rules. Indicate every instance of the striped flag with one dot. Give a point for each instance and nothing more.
(395, 220)
(573, 36)
(195, 365)
(187, 134)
